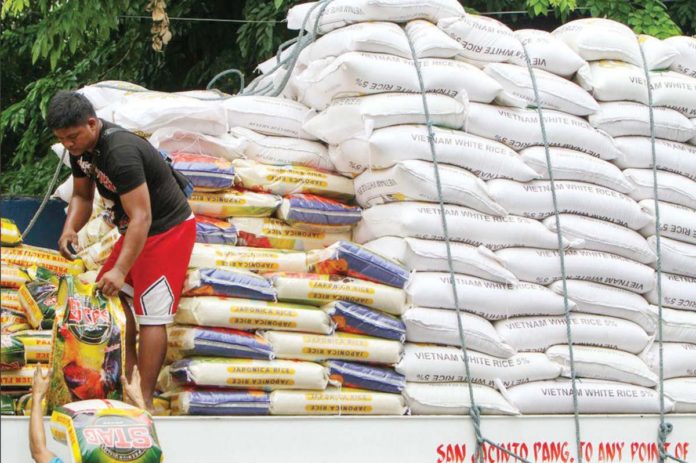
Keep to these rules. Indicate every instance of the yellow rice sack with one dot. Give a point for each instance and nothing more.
(26, 256)
(9, 235)
(11, 276)
(9, 299)
(37, 299)
(18, 379)
(234, 203)
(38, 345)
(277, 234)
(256, 260)
(95, 255)
(12, 321)
(335, 401)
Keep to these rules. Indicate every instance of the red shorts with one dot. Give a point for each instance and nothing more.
(157, 278)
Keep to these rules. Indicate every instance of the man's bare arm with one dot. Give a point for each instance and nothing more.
(37, 436)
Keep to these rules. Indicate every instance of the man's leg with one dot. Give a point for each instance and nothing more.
(152, 349)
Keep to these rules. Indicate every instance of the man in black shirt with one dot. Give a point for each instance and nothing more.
(150, 260)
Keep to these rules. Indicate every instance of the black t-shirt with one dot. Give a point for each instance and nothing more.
(121, 162)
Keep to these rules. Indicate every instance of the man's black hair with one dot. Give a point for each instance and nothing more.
(68, 109)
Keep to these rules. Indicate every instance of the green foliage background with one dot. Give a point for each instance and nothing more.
(48, 45)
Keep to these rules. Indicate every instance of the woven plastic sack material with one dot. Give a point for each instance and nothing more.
(429, 41)
(548, 53)
(38, 299)
(252, 259)
(263, 375)
(594, 397)
(386, 147)
(283, 180)
(365, 377)
(207, 173)
(415, 180)
(234, 203)
(597, 299)
(107, 92)
(350, 259)
(693, 140)
(440, 327)
(677, 325)
(676, 257)
(685, 61)
(618, 81)
(483, 39)
(106, 430)
(220, 402)
(315, 212)
(12, 321)
(682, 392)
(336, 401)
(10, 235)
(543, 266)
(37, 345)
(636, 152)
(268, 115)
(316, 289)
(536, 334)
(26, 256)
(228, 282)
(343, 13)
(678, 292)
(275, 233)
(9, 299)
(676, 222)
(441, 364)
(491, 300)
(247, 314)
(358, 319)
(12, 276)
(172, 139)
(453, 399)
(358, 117)
(215, 231)
(339, 346)
(95, 255)
(672, 188)
(21, 379)
(679, 359)
(534, 200)
(574, 165)
(423, 220)
(191, 341)
(626, 118)
(11, 353)
(93, 232)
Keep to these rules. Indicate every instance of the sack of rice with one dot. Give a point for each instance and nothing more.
(436, 326)
(416, 180)
(207, 173)
(428, 255)
(215, 231)
(266, 375)
(11, 353)
(9, 299)
(685, 61)
(275, 233)
(600, 363)
(93, 231)
(676, 222)
(519, 128)
(534, 200)
(26, 256)
(442, 364)
(672, 188)
(339, 346)
(679, 359)
(347, 118)
(268, 115)
(366, 377)
(491, 300)
(192, 341)
(173, 139)
(636, 152)
(536, 334)
(623, 118)
(213, 402)
(252, 259)
(677, 325)
(386, 147)
(598, 299)
(548, 53)
(675, 256)
(18, 379)
(336, 401)
(12, 321)
(247, 314)
(107, 92)
(38, 299)
(314, 212)
(453, 399)
(543, 266)
(594, 397)
(429, 41)
(228, 282)
(483, 39)
(682, 392)
(358, 319)
(316, 289)
(37, 345)
(8, 404)
(678, 292)
(11, 276)
(423, 220)
(10, 235)
(95, 255)
(600, 235)
(233, 203)
(350, 259)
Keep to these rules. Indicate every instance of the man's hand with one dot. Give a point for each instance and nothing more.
(111, 282)
(40, 385)
(132, 389)
(67, 238)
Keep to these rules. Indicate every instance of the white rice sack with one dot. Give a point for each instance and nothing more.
(422, 220)
(678, 292)
(341, 13)
(685, 61)
(428, 255)
(676, 257)
(350, 117)
(618, 81)
(385, 147)
(454, 399)
(548, 53)
(693, 140)
(594, 397)
(601, 363)
(248, 314)
(677, 325)
(676, 222)
(679, 359)
(261, 260)
(484, 39)
(600, 235)
(659, 54)
(554, 92)
(519, 128)
(93, 231)
(429, 41)
(231, 203)
(636, 152)
(623, 118)
(681, 391)
(284, 180)
(268, 115)
(534, 200)
(64, 191)
(174, 139)
(416, 181)
(491, 300)
(107, 92)
(336, 401)
(536, 334)
(277, 234)
(441, 364)
(543, 266)
(436, 326)
(594, 298)
(574, 165)
(673, 188)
